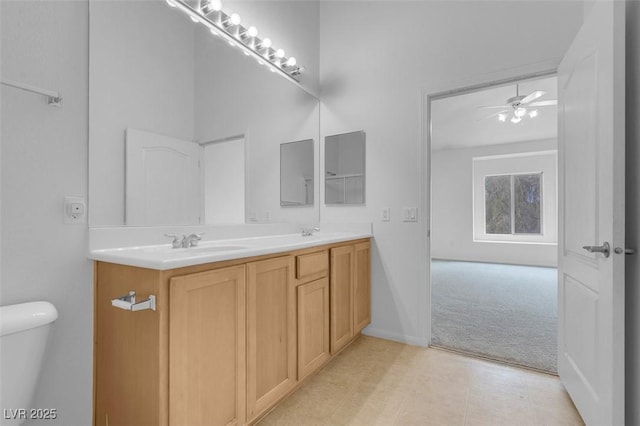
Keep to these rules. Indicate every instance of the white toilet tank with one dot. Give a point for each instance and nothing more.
(23, 337)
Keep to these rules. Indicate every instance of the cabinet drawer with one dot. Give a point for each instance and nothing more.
(312, 264)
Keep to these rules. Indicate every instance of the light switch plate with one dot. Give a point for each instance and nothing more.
(385, 214)
(409, 214)
(75, 210)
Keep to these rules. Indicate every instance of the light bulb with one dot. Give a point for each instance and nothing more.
(279, 53)
(533, 113)
(193, 18)
(516, 119)
(266, 43)
(235, 19)
(502, 117)
(215, 5)
(272, 69)
(291, 62)
(260, 62)
(171, 3)
(252, 32)
(520, 112)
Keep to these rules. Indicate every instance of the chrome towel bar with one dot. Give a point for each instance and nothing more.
(128, 302)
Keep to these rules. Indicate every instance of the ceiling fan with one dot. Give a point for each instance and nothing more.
(520, 106)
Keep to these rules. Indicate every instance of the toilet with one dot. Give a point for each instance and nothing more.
(23, 337)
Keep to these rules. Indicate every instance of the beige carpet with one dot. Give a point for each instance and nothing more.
(504, 312)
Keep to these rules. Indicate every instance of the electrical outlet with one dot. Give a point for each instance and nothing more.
(409, 214)
(74, 210)
(385, 214)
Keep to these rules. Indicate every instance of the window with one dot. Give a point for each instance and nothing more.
(514, 198)
(513, 204)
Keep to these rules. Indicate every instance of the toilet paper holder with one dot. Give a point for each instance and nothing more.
(128, 302)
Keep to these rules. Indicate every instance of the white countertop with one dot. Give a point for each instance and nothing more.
(163, 257)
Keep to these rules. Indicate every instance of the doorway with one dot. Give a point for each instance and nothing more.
(494, 221)
(224, 180)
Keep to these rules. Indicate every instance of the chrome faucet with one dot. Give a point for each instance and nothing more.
(177, 241)
(307, 232)
(192, 240)
(185, 241)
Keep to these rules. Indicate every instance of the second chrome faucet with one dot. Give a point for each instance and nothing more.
(185, 241)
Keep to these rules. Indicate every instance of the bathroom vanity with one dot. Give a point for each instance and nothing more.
(237, 325)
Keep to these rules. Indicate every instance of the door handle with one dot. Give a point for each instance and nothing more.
(605, 249)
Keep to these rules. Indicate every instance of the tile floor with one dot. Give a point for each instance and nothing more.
(378, 382)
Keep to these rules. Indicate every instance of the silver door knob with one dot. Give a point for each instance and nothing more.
(605, 249)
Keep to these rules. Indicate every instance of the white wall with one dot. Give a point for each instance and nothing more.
(452, 231)
(44, 158)
(632, 322)
(375, 58)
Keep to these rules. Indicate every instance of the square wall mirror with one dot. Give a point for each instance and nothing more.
(344, 163)
(296, 173)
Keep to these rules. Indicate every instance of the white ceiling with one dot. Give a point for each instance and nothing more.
(457, 122)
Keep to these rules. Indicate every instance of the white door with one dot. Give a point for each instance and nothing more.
(162, 180)
(591, 192)
(224, 174)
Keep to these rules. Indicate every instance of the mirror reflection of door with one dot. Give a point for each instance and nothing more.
(296, 173)
(224, 181)
(345, 168)
(162, 179)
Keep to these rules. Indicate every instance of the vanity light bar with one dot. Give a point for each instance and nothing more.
(228, 27)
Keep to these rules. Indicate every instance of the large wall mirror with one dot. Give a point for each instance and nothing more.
(344, 162)
(184, 128)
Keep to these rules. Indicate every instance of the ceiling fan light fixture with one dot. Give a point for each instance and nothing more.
(515, 119)
(502, 117)
(533, 113)
(520, 112)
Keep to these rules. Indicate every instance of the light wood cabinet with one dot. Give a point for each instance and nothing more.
(271, 333)
(342, 275)
(313, 326)
(130, 384)
(362, 287)
(350, 292)
(207, 348)
(228, 340)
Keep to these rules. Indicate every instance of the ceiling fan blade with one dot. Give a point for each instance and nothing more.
(532, 96)
(492, 107)
(504, 111)
(550, 102)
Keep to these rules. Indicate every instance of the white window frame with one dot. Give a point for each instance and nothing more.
(539, 162)
(512, 203)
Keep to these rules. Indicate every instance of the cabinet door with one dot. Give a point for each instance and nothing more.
(362, 287)
(271, 332)
(313, 326)
(342, 275)
(207, 348)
